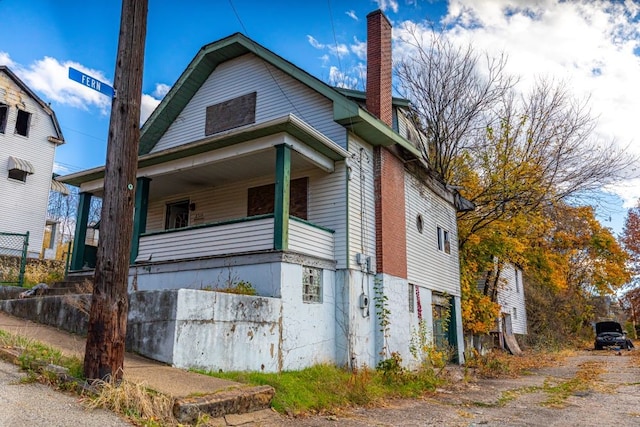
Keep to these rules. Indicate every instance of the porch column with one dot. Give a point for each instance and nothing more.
(453, 329)
(140, 215)
(82, 220)
(281, 200)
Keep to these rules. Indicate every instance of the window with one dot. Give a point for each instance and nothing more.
(261, 200)
(177, 215)
(4, 112)
(22, 123)
(311, 284)
(18, 175)
(517, 281)
(412, 303)
(515, 313)
(419, 223)
(444, 243)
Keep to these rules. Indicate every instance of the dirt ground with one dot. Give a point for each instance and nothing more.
(590, 388)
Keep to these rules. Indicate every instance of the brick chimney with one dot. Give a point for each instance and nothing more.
(379, 66)
(391, 232)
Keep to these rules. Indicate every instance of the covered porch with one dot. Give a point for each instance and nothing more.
(245, 191)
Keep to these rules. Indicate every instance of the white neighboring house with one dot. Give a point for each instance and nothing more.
(253, 170)
(29, 135)
(513, 319)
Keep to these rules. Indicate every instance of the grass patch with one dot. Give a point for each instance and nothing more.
(584, 381)
(327, 389)
(500, 364)
(35, 355)
(139, 404)
(142, 406)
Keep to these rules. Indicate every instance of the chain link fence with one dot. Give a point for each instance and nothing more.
(13, 257)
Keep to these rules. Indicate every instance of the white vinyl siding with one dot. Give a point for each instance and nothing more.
(326, 205)
(426, 265)
(277, 95)
(362, 226)
(24, 204)
(208, 241)
(509, 298)
(311, 240)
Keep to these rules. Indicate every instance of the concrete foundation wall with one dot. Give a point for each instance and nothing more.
(214, 331)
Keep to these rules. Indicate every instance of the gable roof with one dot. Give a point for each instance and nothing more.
(58, 138)
(345, 111)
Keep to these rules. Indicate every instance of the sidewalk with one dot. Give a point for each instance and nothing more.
(194, 393)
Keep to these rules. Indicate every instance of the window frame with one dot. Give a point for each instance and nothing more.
(3, 117)
(19, 122)
(17, 175)
(167, 214)
(444, 240)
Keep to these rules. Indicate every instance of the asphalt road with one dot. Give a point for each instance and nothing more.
(38, 405)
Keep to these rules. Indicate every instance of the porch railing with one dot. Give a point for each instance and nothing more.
(233, 237)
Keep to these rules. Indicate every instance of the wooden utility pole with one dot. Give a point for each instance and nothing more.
(104, 353)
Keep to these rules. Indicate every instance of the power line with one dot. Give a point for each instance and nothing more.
(246, 33)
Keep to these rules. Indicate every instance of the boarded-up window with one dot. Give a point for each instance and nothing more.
(231, 114)
(261, 200)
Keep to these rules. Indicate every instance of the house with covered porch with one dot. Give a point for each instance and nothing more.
(253, 171)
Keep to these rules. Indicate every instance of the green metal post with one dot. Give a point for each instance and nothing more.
(77, 259)
(140, 215)
(67, 260)
(23, 259)
(453, 329)
(281, 201)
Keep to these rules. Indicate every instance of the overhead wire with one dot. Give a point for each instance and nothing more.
(255, 51)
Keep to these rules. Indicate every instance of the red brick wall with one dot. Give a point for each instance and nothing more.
(379, 67)
(391, 238)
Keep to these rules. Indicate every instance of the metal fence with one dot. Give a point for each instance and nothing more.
(13, 257)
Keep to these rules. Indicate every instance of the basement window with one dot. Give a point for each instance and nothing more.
(22, 123)
(311, 284)
(4, 112)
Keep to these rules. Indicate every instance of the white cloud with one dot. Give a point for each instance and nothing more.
(147, 104)
(590, 44)
(50, 78)
(388, 4)
(337, 49)
(161, 90)
(359, 48)
(315, 43)
(352, 14)
(6, 60)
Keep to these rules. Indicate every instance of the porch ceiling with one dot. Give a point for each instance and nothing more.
(232, 170)
(256, 165)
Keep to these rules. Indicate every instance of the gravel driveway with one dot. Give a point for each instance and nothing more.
(38, 405)
(611, 397)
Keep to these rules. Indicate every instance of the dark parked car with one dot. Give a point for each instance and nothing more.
(610, 334)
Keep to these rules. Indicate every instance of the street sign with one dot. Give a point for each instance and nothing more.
(90, 82)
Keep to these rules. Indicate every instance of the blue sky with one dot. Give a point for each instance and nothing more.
(592, 44)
